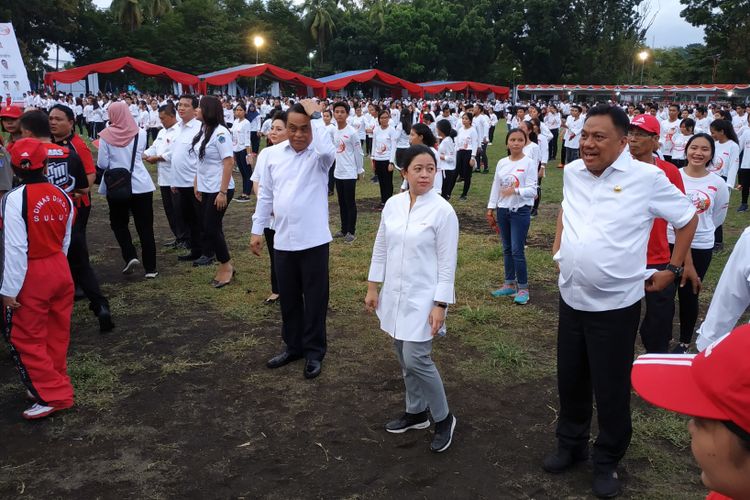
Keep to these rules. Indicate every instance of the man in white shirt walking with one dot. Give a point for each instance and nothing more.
(609, 203)
(294, 189)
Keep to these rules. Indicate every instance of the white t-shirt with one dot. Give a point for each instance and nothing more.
(211, 168)
(726, 160)
(679, 143)
(710, 197)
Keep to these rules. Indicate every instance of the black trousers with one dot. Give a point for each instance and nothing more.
(463, 157)
(269, 234)
(449, 182)
(331, 180)
(491, 133)
(142, 209)
(368, 145)
(152, 133)
(385, 179)
(719, 232)
(743, 175)
(303, 287)
(538, 198)
(595, 354)
(255, 141)
(656, 327)
(346, 189)
(171, 203)
(80, 266)
(80, 123)
(190, 211)
(213, 227)
(553, 143)
(483, 163)
(689, 300)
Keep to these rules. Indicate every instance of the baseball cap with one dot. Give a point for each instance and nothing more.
(28, 154)
(646, 122)
(11, 112)
(714, 384)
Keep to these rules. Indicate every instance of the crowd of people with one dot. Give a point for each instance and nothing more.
(645, 192)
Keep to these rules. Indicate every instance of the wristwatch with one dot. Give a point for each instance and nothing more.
(677, 270)
(315, 115)
(442, 304)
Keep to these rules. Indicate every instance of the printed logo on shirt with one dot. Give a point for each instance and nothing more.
(717, 166)
(700, 200)
(342, 146)
(221, 138)
(382, 148)
(509, 180)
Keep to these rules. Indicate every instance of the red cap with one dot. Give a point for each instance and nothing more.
(28, 154)
(11, 112)
(647, 122)
(714, 384)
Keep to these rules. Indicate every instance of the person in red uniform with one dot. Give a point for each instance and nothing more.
(37, 288)
(656, 326)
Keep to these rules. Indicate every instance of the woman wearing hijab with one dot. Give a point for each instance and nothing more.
(253, 117)
(116, 144)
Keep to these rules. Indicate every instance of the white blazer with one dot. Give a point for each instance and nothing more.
(414, 257)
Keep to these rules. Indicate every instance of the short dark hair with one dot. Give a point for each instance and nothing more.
(278, 115)
(36, 122)
(689, 123)
(193, 99)
(619, 117)
(167, 109)
(65, 109)
(295, 108)
(341, 104)
(414, 151)
(576, 106)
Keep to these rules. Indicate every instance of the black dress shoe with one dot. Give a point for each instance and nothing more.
(606, 483)
(105, 320)
(203, 260)
(312, 368)
(563, 459)
(188, 257)
(282, 359)
(79, 294)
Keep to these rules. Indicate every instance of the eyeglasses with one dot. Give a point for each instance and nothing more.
(639, 134)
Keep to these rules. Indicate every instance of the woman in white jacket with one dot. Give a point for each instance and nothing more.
(414, 258)
(512, 195)
(447, 156)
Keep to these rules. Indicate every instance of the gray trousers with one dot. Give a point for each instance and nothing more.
(424, 388)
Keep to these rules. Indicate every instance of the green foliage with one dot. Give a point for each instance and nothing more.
(727, 25)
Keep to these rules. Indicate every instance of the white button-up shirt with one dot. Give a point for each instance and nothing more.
(294, 189)
(606, 226)
(119, 157)
(162, 146)
(184, 158)
(414, 256)
(731, 297)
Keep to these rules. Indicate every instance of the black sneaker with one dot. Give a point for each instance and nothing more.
(606, 484)
(680, 348)
(462, 198)
(443, 434)
(105, 320)
(408, 421)
(718, 247)
(534, 212)
(563, 459)
(742, 207)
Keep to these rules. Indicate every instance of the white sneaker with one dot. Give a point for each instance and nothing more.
(40, 411)
(150, 276)
(129, 267)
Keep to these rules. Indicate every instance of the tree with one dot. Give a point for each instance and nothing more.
(319, 18)
(727, 25)
(132, 13)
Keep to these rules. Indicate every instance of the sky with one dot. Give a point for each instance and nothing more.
(667, 30)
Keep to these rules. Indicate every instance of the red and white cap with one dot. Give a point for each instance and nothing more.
(714, 384)
(11, 111)
(28, 154)
(646, 122)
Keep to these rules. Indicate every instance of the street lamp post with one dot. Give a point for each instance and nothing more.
(514, 93)
(642, 55)
(311, 56)
(258, 42)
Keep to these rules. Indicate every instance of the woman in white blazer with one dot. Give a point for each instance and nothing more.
(414, 261)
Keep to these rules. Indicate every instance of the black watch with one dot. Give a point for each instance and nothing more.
(315, 115)
(677, 270)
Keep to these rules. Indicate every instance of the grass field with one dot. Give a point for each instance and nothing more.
(177, 401)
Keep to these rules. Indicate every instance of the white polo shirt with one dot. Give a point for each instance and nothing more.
(606, 226)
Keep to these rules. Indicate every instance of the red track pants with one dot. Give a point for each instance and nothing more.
(40, 330)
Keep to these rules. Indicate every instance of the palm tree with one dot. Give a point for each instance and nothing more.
(318, 15)
(128, 13)
(377, 13)
(132, 13)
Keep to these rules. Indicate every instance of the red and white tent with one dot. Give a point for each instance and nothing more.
(436, 87)
(374, 77)
(73, 75)
(303, 85)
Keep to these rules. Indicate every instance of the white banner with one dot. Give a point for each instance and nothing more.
(14, 80)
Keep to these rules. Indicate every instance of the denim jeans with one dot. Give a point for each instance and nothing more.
(514, 226)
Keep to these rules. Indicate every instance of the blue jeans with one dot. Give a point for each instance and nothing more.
(514, 226)
(240, 158)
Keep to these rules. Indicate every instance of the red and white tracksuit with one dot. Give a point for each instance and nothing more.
(36, 223)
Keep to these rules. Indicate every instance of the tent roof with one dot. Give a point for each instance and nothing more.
(227, 75)
(75, 74)
(341, 80)
(436, 87)
(701, 88)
